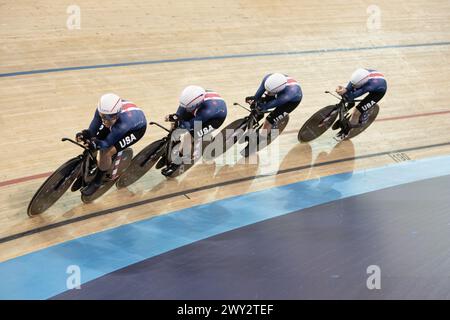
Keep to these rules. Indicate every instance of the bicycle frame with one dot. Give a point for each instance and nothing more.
(253, 122)
(168, 145)
(342, 106)
(86, 157)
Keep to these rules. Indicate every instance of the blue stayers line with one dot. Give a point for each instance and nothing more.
(233, 56)
(43, 274)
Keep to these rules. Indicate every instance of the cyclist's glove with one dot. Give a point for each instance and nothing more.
(249, 99)
(83, 135)
(173, 117)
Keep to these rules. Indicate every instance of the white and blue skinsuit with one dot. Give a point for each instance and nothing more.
(211, 113)
(131, 123)
(284, 102)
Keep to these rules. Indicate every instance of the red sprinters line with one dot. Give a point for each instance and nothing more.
(23, 179)
(417, 115)
(414, 115)
(45, 175)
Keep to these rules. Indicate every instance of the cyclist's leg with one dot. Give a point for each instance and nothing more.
(208, 127)
(362, 110)
(181, 142)
(101, 134)
(193, 139)
(105, 158)
(104, 163)
(95, 183)
(278, 114)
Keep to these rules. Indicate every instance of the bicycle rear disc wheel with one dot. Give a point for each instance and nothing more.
(97, 194)
(140, 165)
(229, 137)
(373, 115)
(55, 186)
(281, 125)
(319, 122)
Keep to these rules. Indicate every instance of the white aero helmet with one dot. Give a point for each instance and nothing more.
(275, 83)
(359, 77)
(109, 103)
(191, 97)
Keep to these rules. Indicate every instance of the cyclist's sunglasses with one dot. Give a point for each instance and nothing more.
(109, 117)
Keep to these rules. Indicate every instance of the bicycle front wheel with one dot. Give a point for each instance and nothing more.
(229, 136)
(55, 186)
(318, 124)
(140, 164)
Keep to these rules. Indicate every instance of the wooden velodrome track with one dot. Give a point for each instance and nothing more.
(318, 43)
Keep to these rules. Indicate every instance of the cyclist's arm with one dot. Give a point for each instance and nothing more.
(291, 93)
(352, 95)
(261, 89)
(95, 124)
(280, 100)
(349, 87)
(182, 113)
(118, 131)
(189, 124)
(186, 118)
